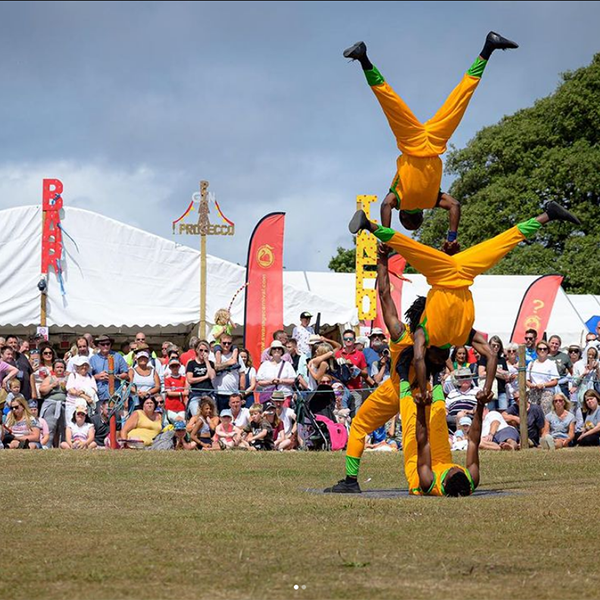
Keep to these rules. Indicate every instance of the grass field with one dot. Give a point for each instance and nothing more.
(241, 525)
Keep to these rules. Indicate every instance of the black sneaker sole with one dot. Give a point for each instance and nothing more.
(558, 213)
(348, 52)
(358, 222)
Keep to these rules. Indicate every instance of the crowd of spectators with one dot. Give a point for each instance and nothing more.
(213, 397)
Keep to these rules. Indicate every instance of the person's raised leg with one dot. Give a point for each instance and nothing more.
(441, 127)
(407, 129)
(484, 256)
(432, 263)
(438, 426)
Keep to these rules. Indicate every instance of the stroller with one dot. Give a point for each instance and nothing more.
(317, 428)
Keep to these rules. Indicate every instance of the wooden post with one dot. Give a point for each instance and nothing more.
(523, 399)
(203, 223)
(111, 391)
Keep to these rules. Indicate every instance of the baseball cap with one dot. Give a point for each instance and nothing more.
(226, 413)
(179, 425)
(305, 315)
(465, 421)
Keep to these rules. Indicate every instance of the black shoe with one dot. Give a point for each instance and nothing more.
(498, 42)
(356, 52)
(358, 222)
(343, 487)
(557, 213)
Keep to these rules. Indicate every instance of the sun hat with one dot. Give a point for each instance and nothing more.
(376, 331)
(278, 396)
(314, 339)
(80, 360)
(142, 354)
(104, 338)
(174, 361)
(276, 344)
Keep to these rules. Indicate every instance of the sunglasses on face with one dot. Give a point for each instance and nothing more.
(104, 344)
(529, 339)
(542, 349)
(202, 350)
(511, 351)
(226, 343)
(16, 407)
(348, 339)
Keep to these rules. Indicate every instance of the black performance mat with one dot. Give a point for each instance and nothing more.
(400, 493)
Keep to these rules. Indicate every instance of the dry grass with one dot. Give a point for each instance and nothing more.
(240, 525)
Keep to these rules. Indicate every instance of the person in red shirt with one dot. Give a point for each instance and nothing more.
(176, 392)
(353, 355)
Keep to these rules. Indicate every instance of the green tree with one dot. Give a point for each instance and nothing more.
(550, 151)
(344, 261)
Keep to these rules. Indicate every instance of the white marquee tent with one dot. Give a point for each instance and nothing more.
(119, 278)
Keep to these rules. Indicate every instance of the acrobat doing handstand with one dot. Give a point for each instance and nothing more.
(416, 185)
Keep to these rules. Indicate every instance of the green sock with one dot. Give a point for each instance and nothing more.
(437, 394)
(374, 77)
(385, 234)
(405, 389)
(477, 68)
(529, 228)
(352, 465)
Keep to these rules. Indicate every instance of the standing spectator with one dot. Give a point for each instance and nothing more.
(143, 375)
(21, 429)
(278, 336)
(53, 393)
(586, 373)
(351, 355)
(590, 436)
(176, 392)
(530, 346)
(91, 343)
(542, 378)
(47, 358)
(227, 368)
(275, 374)
(299, 363)
(373, 352)
(139, 344)
(591, 341)
(20, 361)
(323, 360)
(564, 366)
(99, 367)
(559, 429)
(247, 377)
(535, 419)
(80, 385)
(83, 349)
(502, 374)
(190, 353)
(380, 370)
(200, 374)
(512, 363)
(302, 333)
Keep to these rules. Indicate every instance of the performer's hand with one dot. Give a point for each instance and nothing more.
(484, 397)
(422, 399)
(451, 248)
(383, 251)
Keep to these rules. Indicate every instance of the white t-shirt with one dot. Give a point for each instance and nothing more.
(79, 433)
(287, 417)
(270, 370)
(227, 382)
(243, 418)
(542, 372)
(490, 418)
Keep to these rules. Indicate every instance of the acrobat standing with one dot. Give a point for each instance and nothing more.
(416, 185)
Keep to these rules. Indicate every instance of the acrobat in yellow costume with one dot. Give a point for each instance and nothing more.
(441, 456)
(419, 167)
(377, 409)
(449, 310)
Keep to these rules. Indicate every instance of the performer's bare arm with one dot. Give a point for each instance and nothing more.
(481, 345)
(419, 363)
(452, 205)
(475, 436)
(390, 202)
(423, 448)
(390, 313)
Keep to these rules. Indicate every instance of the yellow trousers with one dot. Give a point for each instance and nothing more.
(419, 167)
(449, 311)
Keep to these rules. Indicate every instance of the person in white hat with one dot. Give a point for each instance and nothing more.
(81, 386)
(276, 374)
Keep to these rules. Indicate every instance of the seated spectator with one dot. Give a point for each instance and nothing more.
(460, 439)
(44, 432)
(459, 359)
(21, 430)
(144, 424)
(259, 433)
(496, 433)
(143, 374)
(176, 392)
(81, 385)
(240, 414)
(101, 423)
(340, 412)
(179, 439)
(461, 400)
(79, 433)
(590, 436)
(200, 373)
(535, 419)
(275, 374)
(227, 435)
(247, 377)
(586, 372)
(542, 378)
(559, 430)
(203, 426)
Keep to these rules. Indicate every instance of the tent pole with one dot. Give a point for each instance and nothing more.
(203, 222)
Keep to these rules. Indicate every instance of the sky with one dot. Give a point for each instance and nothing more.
(130, 105)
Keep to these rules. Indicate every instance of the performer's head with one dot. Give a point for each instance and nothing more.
(411, 220)
(413, 314)
(456, 483)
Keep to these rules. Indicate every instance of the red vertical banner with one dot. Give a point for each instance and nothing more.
(536, 307)
(396, 265)
(263, 312)
(51, 234)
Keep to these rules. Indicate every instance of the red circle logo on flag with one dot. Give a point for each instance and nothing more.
(265, 256)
